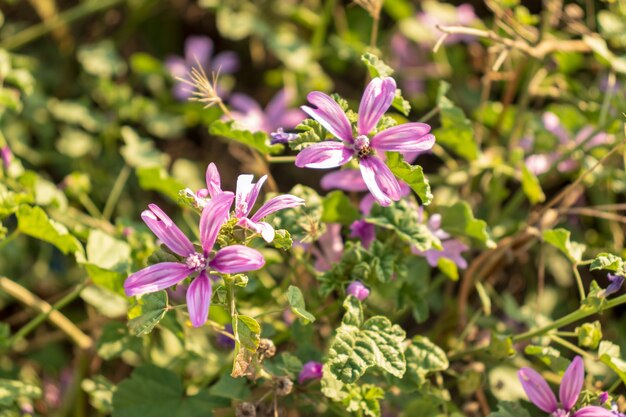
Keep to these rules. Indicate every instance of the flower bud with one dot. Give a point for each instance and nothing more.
(284, 386)
(358, 290)
(245, 410)
(267, 348)
(310, 370)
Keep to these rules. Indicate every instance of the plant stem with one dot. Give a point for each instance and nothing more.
(46, 312)
(281, 159)
(572, 347)
(36, 31)
(375, 25)
(89, 205)
(116, 192)
(579, 282)
(15, 233)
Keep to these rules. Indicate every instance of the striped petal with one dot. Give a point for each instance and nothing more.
(537, 390)
(199, 299)
(328, 113)
(156, 278)
(165, 229)
(237, 258)
(376, 100)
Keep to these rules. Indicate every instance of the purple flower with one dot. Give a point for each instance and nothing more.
(616, 284)
(540, 394)
(364, 231)
(280, 136)
(228, 260)
(198, 51)
(357, 289)
(224, 341)
(451, 248)
(330, 248)
(445, 15)
(277, 114)
(7, 156)
(310, 370)
(377, 98)
(246, 195)
(541, 163)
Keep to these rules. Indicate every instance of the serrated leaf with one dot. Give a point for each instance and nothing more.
(376, 66)
(456, 132)
(248, 332)
(423, 357)
(608, 262)
(11, 390)
(509, 409)
(282, 240)
(158, 392)
(256, 140)
(147, 312)
(560, 239)
(611, 355)
(296, 302)
(413, 175)
(458, 219)
(337, 208)
(34, 222)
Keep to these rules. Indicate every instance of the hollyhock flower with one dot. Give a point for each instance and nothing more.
(277, 114)
(541, 163)
(377, 98)
(246, 195)
(357, 289)
(198, 51)
(540, 394)
(451, 248)
(228, 260)
(364, 231)
(330, 248)
(616, 282)
(310, 370)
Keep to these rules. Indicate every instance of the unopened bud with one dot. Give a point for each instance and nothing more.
(284, 386)
(267, 348)
(245, 410)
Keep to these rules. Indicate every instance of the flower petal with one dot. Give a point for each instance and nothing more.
(572, 383)
(409, 137)
(237, 258)
(594, 411)
(225, 62)
(275, 204)
(247, 193)
(328, 113)
(376, 100)
(264, 229)
(155, 278)
(198, 49)
(537, 390)
(214, 214)
(380, 180)
(213, 181)
(344, 179)
(199, 299)
(328, 154)
(165, 229)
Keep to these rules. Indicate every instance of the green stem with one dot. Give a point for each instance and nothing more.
(572, 347)
(116, 192)
(429, 115)
(317, 40)
(36, 31)
(15, 233)
(604, 112)
(280, 159)
(579, 282)
(90, 206)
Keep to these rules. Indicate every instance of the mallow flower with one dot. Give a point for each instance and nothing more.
(246, 196)
(451, 248)
(358, 290)
(310, 370)
(228, 260)
(276, 115)
(366, 148)
(540, 394)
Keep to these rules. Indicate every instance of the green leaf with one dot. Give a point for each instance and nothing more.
(34, 222)
(589, 334)
(560, 239)
(257, 140)
(231, 388)
(413, 175)
(296, 302)
(550, 356)
(423, 357)
(157, 179)
(363, 400)
(147, 312)
(403, 220)
(459, 220)
(108, 303)
(248, 332)
(611, 355)
(377, 343)
(531, 186)
(376, 66)
(105, 251)
(11, 390)
(115, 340)
(449, 268)
(509, 409)
(101, 59)
(282, 240)
(456, 132)
(337, 208)
(100, 391)
(608, 262)
(141, 152)
(157, 392)
(354, 312)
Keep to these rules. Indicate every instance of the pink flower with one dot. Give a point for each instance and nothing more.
(452, 248)
(357, 289)
(277, 115)
(378, 96)
(246, 196)
(330, 248)
(540, 394)
(310, 370)
(228, 260)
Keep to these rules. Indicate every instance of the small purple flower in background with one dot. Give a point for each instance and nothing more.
(452, 248)
(616, 282)
(435, 13)
(246, 195)
(541, 163)
(228, 260)
(276, 116)
(357, 289)
(198, 51)
(224, 341)
(7, 156)
(364, 231)
(411, 61)
(330, 248)
(540, 394)
(377, 98)
(280, 136)
(310, 370)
